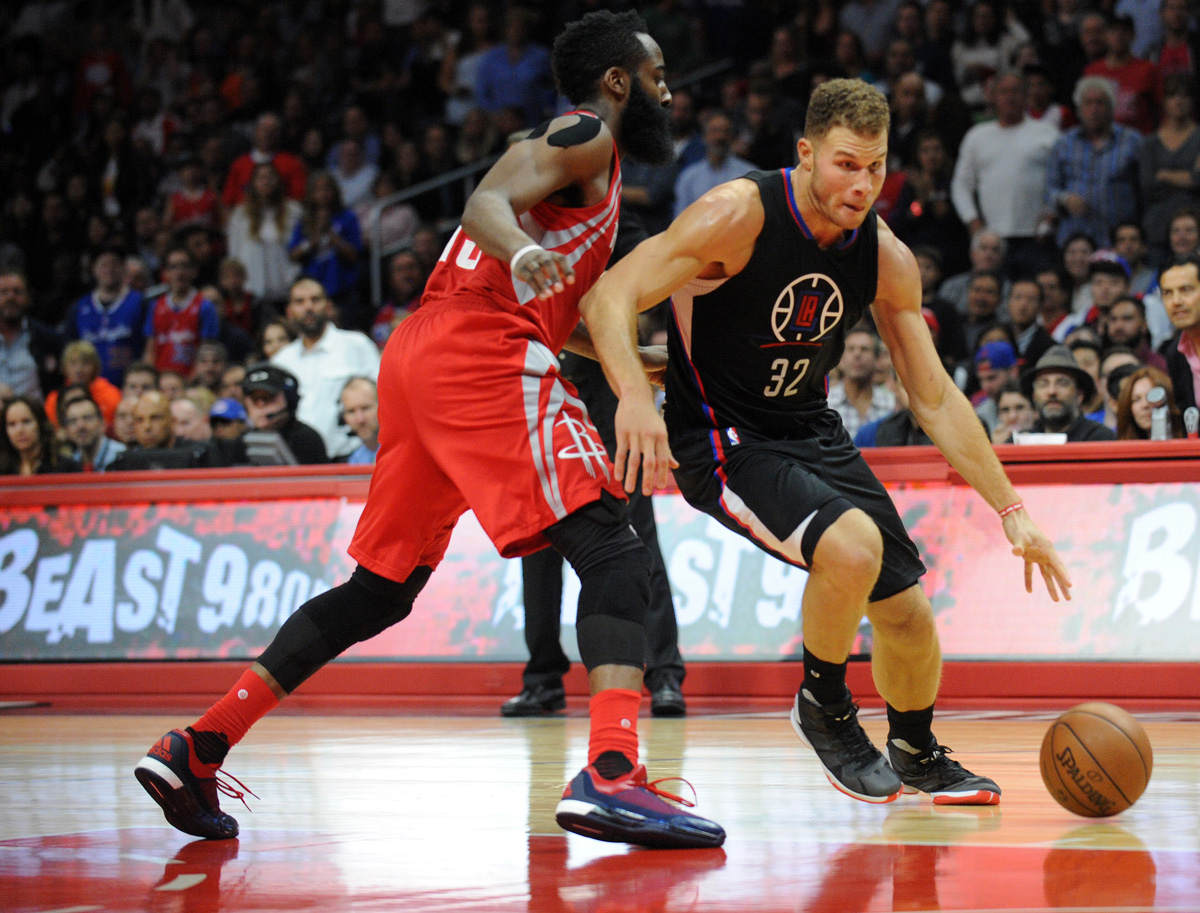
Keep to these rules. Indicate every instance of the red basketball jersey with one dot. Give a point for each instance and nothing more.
(585, 236)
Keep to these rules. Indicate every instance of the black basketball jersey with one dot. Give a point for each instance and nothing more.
(753, 351)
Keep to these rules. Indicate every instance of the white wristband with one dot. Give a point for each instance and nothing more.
(512, 264)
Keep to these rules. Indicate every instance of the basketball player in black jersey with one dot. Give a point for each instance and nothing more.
(767, 274)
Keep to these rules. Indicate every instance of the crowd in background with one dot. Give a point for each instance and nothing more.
(170, 168)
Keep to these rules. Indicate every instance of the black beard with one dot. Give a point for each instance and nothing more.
(313, 327)
(646, 128)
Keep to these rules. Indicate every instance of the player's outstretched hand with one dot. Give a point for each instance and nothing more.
(642, 443)
(1030, 543)
(654, 361)
(546, 271)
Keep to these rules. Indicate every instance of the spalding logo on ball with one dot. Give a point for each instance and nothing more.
(1096, 760)
(807, 309)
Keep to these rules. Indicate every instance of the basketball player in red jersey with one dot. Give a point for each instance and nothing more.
(474, 415)
(767, 274)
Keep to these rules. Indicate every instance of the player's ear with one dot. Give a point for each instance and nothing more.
(616, 80)
(805, 153)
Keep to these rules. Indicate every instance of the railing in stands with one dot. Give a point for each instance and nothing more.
(467, 174)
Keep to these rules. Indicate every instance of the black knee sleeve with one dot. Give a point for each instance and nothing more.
(826, 516)
(614, 575)
(332, 622)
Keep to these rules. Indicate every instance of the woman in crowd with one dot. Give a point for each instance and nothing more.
(274, 335)
(30, 446)
(1134, 412)
(258, 233)
(1168, 164)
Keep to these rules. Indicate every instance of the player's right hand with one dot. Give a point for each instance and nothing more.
(642, 444)
(546, 271)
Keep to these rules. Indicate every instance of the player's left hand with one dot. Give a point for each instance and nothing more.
(642, 443)
(654, 361)
(1030, 543)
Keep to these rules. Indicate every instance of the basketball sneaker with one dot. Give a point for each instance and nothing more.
(931, 771)
(853, 765)
(630, 810)
(186, 789)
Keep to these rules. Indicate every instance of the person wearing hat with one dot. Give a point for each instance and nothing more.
(1108, 276)
(995, 365)
(272, 395)
(1058, 388)
(228, 419)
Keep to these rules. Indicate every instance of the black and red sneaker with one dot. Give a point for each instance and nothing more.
(186, 789)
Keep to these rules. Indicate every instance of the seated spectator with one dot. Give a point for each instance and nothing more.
(1014, 412)
(1126, 326)
(405, 281)
(1129, 242)
(211, 361)
(1180, 286)
(1139, 83)
(360, 411)
(517, 72)
(1119, 362)
(353, 174)
(272, 397)
(983, 305)
(190, 423)
(924, 215)
(855, 396)
(268, 132)
(227, 418)
(1087, 351)
(180, 318)
(258, 232)
(274, 335)
(1109, 279)
(948, 335)
(1058, 388)
(987, 256)
(1024, 305)
(1055, 313)
(29, 445)
(396, 223)
(718, 165)
(195, 202)
(328, 245)
(995, 366)
(239, 307)
(140, 377)
(123, 426)
(231, 383)
(84, 428)
(81, 368)
(157, 444)
(1134, 412)
(112, 317)
(171, 384)
(29, 349)
(323, 359)
(899, 429)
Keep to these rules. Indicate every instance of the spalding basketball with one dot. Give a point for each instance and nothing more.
(1096, 760)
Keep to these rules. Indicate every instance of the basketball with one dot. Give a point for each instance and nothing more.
(1096, 760)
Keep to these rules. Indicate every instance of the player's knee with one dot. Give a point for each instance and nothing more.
(852, 547)
(908, 616)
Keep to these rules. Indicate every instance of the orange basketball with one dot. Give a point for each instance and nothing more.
(1096, 760)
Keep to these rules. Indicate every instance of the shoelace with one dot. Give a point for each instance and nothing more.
(652, 786)
(937, 757)
(232, 791)
(852, 735)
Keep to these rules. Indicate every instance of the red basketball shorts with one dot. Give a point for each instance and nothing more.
(473, 414)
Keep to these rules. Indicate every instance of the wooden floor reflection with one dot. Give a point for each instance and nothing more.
(456, 814)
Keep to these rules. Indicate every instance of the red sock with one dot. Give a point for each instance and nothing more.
(246, 703)
(614, 713)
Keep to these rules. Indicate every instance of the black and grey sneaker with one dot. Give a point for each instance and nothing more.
(853, 765)
(931, 771)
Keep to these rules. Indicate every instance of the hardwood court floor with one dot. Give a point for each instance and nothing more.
(439, 814)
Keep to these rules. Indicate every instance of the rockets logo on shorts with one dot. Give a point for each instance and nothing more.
(807, 310)
(583, 445)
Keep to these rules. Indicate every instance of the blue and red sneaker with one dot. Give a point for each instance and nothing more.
(186, 789)
(629, 810)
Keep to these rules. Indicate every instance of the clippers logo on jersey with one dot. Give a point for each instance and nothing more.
(807, 310)
(583, 445)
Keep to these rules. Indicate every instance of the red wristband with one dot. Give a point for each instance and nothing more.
(1011, 509)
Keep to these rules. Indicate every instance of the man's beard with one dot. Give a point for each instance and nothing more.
(313, 327)
(1063, 420)
(646, 128)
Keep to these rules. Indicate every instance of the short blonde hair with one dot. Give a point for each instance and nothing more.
(84, 351)
(849, 103)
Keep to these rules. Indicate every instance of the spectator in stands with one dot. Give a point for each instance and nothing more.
(1180, 285)
(29, 445)
(81, 368)
(445, 203)
(84, 428)
(762, 140)
(871, 22)
(274, 335)
(1085, 348)
(195, 202)
(1134, 412)
(1055, 314)
(212, 358)
(1167, 166)
(123, 425)
(949, 339)
(685, 129)
(1058, 387)
(995, 366)
(516, 72)
(231, 383)
(985, 49)
(272, 398)
(924, 215)
(1138, 82)
(987, 256)
(1109, 279)
(268, 131)
(984, 296)
(1024, 306)
(1042, 105)
(171, 384)
(258, 232)
(157, 446)
(360, 411)
(1115, 367)
(29, 349)
(180, 318)
(353, 174)
(460, 66)
(1129, 241)
(322, 360)
(239, 307)
(1092, 178)
(397, 222)
(718, 165)
(1126, 326)
(1000, 177)
(1178, 51)
(227, 418)
(405, 282)
(140, 377)
(327, 244)
(478, 138)
(356, 126)
(1077, 261)
(111, 317)
(1014, 412)
(190, 424)
(855, 396)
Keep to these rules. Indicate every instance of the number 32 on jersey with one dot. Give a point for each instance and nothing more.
(786, 375)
